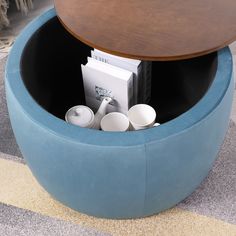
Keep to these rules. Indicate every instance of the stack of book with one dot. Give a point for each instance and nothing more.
(126, 81)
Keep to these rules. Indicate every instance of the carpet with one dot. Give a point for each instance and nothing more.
(26, 209)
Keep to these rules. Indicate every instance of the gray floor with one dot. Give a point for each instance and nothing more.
(7, 141)
(20, 222)
(216, 196)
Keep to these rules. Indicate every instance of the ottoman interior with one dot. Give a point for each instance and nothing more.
(51, 71)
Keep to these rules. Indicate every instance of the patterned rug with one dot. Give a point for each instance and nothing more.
(26, 209)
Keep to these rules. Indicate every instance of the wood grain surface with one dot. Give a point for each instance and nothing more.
(152, 29)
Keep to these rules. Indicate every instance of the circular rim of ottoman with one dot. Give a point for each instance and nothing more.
(41, 117)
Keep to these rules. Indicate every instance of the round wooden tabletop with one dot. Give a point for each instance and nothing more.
(152, 29)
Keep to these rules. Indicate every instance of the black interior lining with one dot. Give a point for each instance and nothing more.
(51, 71)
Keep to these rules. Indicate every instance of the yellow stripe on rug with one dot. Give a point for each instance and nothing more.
(19, 188)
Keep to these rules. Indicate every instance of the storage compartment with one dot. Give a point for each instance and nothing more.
(107, 174)
(51, 71)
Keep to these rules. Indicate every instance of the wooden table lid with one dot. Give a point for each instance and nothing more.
(151, 29)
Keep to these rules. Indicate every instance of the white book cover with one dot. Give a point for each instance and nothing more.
(101, 79)
(132, 65)
(107, 56)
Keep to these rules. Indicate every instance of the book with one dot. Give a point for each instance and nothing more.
(104, 80)
(142, 73)
(132, 65)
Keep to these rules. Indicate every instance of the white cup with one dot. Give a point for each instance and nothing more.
(142, 116)
(115, 121)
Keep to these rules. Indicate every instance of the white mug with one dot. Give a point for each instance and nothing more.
(115, 121)
(142, 116)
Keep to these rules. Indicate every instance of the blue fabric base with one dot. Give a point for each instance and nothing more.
(119, 175)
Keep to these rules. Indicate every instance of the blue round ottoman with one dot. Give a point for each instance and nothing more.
(123, 174)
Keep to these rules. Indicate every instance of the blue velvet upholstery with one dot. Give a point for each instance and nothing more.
(118, 175)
